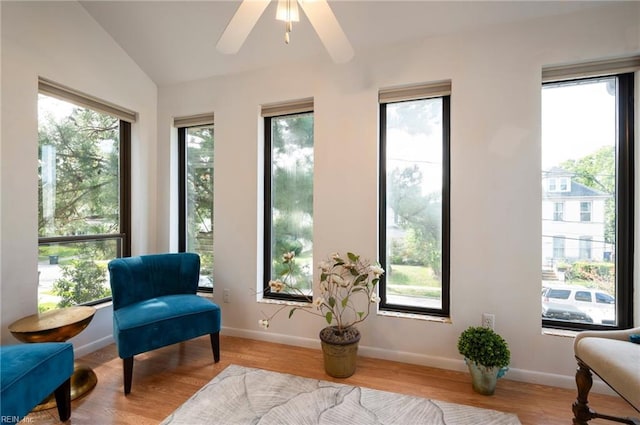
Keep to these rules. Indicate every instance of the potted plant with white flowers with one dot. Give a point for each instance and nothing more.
(347, 293)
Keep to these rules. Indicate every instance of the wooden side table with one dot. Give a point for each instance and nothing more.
(58, 326)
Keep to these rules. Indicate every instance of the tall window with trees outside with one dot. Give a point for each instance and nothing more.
(83, 205)
(414, 199)
(288, 197)
(587, 141)
(195, 147)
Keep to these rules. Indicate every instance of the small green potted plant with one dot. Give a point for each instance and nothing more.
(486, 354)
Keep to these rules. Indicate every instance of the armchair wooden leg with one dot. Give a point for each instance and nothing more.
(63, 400)
(127, 367)
(581, 411)
(215, 346)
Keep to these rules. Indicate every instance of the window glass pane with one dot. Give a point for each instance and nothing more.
(292, 196)
(78, 170)
(73, 273)
(583, 296)
(79, 197)
(199, 202)
(414, 185)
(579, 148)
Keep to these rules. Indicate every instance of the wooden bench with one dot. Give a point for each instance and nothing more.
(616, 360)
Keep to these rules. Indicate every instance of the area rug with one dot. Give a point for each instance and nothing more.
(241, 395)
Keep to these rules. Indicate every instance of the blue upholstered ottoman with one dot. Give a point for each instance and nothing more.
(29, 373)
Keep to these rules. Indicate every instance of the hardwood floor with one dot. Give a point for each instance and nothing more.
(166, 378)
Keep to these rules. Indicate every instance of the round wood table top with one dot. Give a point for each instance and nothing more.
(54, 325)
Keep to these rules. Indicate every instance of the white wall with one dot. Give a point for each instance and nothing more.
(495, 179)
(495, 238)
(61, 42)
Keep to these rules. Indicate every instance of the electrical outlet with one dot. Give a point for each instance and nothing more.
(489, 320)
(226, 295)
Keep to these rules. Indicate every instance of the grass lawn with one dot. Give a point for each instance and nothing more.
(417, 281)
(412, 276)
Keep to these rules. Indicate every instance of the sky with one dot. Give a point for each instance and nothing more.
(576, 120)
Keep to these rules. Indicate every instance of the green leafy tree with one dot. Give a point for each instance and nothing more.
(78, 192)
(419, 215)
(82, 281)
(292, 191)
(200, 189)
(83, 150)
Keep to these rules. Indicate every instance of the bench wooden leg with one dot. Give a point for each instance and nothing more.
(581, 411)
(63, 400)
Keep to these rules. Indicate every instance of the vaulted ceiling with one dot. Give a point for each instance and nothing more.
(175, 41)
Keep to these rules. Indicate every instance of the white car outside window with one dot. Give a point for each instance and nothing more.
(598, 304)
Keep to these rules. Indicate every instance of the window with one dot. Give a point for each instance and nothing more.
(83, 195)
(585, 211)
(588, 134)
(414, 199)
(585, 248)
(288, 195)
(584, 296)
(552, 185)
(195, 175)
(558, 211)
(560, 294)
(603, 298)
(564, 185)
(558, 247)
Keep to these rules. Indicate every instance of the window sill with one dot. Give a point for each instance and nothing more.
(283, 302)
(101, 305)
(563, 333)
(415, 316)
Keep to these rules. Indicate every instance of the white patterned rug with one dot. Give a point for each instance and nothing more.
(240, 395)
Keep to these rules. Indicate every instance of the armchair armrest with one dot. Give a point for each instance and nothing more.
(622, 335)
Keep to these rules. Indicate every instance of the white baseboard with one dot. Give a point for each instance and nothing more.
(83, 350)
(521, 375)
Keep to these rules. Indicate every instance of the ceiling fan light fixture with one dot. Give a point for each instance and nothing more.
(288, 11)
(318, 12)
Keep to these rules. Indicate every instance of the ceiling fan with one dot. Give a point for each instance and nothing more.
(318, 11)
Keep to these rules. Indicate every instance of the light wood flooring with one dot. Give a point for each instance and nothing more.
(166, 378)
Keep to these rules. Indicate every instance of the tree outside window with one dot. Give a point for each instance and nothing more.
(196, 145)
(289, 199)
(79, 202)
(413, 224)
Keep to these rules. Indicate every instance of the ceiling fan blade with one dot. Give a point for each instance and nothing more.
(328, 29)
(241, 25)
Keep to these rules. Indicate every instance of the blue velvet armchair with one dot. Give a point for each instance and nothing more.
(155, 304)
